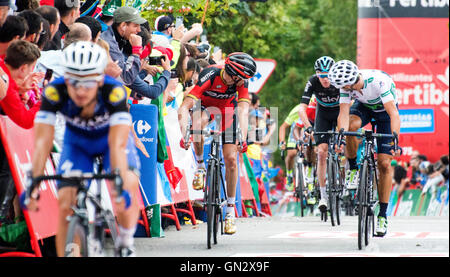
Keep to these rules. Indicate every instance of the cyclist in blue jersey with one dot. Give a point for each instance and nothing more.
(97, 123)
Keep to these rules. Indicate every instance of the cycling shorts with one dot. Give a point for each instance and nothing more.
(382, 121)
(326, 119)
(79, 152)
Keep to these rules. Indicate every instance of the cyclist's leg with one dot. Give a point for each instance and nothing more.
(200, 173)
(322, 124)
(359, 117)
(384, 159)
(290, 158)
(127, 218)
(72, 158)
(205, 118)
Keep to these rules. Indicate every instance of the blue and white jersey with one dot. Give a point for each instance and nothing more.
(111, 108)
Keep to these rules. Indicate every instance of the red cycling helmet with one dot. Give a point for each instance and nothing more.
(240, 64)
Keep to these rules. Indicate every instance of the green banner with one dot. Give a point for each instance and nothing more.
(251, 177)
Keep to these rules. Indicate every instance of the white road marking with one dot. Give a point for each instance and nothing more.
(353, 235)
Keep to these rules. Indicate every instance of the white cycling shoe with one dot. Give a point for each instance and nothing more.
(323, 205)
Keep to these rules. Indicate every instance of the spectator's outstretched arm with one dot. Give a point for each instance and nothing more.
(195, 30)
(153, 91)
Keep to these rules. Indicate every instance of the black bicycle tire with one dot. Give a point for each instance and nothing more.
(331, 189)
(300, 187)
(362, 206)
(338, 192)
(217, 203)
(76, 227)
(370, 218)
(209, 201)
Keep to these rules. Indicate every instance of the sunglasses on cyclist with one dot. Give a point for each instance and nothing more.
(86, 82)
(237, 79)
(322, 75)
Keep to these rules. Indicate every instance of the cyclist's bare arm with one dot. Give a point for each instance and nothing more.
(392, 111)
(183, 113)
(303, 115)
(117, 142)
(297, 133)
(243, 118)
(282, 131)
(343, 120)
(43, 144)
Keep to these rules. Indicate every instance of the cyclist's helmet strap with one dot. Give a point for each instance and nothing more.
(240, 64)
(323, 64)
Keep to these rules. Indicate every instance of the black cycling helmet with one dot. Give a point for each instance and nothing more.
(240, 64)
(323, 64)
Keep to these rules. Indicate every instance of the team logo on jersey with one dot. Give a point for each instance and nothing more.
(117, 95)
(51, 93)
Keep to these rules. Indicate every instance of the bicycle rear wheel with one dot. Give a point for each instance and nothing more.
(76, 241)
(210, 205)
(362, 206)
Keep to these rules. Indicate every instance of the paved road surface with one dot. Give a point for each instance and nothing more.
(289, 236)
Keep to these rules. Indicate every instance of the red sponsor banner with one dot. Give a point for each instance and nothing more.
(411, 44)
(18, 143)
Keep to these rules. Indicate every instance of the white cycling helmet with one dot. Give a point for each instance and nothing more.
(84, 58)
(343, 73)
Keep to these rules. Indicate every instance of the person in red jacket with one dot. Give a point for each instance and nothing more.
(18, 65)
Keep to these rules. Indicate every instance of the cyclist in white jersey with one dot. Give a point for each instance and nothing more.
(375, 99)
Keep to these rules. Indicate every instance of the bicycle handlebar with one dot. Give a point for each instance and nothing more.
(77, 176)
(369, 134)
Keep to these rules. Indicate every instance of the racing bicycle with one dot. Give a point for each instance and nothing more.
(368, 182)
(335, 178)
(302, 192)
(86, 238)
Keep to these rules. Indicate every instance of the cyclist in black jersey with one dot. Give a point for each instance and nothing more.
(327, 112)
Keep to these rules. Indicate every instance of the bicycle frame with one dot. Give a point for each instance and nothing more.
(214, 154)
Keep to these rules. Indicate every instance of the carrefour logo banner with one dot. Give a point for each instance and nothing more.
(417, 121)
(145, 125)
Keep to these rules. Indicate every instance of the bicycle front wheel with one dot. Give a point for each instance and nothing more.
(76, 241)
(331, 188)
(210, 205)
(370, 224)
(362, 205)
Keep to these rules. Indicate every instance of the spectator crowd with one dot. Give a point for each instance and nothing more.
(158, 62)
(419, 173)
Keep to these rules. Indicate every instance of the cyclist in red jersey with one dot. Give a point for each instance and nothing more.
(219, 91)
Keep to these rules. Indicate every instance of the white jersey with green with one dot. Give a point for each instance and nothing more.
(379, 88)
